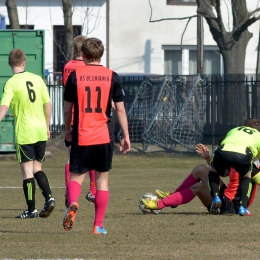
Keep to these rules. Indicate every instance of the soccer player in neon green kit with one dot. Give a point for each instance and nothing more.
(27, 95)
(238, 149)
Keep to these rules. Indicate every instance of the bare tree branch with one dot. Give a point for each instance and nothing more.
(244, 27)
(167, 19)
(205, 8)
(253, 12)
(88, 17)
(219, 17)
(184, 31)
(240, 13)
(228, 19)
(52, 34)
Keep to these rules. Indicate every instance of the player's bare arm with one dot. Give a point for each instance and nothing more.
(204, 152)
(122, 120)
(3, 111)
(47, 111)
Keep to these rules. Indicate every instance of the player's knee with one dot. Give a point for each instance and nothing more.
(199, 171)
(199, 188)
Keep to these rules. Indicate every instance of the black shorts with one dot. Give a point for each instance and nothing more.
(255, 170)
(228, 207)
(67, 143)
(31, 152)
(92, 157)
(224, 160)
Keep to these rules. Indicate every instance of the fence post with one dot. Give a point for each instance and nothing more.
(213, 111)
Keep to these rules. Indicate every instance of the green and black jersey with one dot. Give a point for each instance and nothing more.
(238, 138)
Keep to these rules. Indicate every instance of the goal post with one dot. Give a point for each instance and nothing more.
(168, 112)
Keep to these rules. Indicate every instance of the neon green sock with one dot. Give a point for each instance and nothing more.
(256, 178)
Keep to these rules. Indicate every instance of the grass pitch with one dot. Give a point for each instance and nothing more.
(187, 232)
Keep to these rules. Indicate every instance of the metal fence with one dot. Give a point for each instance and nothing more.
(55, 87)
(229, 101)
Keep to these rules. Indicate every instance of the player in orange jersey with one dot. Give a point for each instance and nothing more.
(91, 90)
(70, 66)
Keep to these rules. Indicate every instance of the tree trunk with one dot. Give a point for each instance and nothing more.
(67, 14)
(12, 14)
(234, 54)
(232, 46)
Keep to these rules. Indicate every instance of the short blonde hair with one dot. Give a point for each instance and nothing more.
(16, 57)
(77, 41)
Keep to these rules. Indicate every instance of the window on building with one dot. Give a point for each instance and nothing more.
(58, 45)
(181, 2)
(184, 62)
(172, 62)
(23, 27)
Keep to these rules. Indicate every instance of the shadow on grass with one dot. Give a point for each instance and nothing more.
(172, 213)
(185, 214)
(10, 209)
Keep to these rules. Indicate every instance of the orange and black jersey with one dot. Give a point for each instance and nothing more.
(92, 89)
(232, 192)
(69, 67)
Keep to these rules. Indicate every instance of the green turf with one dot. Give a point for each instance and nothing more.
(187, 232)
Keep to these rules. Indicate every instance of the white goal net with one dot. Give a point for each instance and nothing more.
(168, 112)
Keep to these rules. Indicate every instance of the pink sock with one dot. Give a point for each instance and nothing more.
(101, 202)
(67, 173)
(92, 183)
(188, 182)
(176, 199)
(73, 191)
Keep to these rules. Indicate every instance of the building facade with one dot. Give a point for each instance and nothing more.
(89, 18)
(139, 36)
(165, 46)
